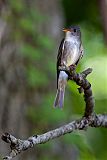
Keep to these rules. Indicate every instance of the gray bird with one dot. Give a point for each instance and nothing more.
(69, 53)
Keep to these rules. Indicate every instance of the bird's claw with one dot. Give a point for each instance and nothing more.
(72, 67)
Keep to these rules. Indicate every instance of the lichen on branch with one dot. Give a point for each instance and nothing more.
(89, 119)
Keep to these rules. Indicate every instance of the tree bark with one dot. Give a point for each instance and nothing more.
(89, 119)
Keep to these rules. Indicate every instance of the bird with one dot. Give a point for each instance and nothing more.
(69, 54)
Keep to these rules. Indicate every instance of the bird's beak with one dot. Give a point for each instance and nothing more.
(66, 30)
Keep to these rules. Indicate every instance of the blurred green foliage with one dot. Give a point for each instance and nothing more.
(35, 48)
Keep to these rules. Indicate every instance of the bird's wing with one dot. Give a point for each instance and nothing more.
(81, 53)
(60, 50)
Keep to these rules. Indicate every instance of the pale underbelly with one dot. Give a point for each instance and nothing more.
(71, 52)
(72, 57)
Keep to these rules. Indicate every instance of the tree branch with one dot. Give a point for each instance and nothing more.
(89, 118)
(18, 145)
(81, 80)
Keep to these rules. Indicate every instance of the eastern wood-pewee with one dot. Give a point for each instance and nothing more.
(69, 54)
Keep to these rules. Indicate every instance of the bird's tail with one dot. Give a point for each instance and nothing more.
(59, 100)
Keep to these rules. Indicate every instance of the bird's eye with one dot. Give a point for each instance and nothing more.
(75, 30)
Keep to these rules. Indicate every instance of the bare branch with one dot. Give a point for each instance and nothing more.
(100, 121)
(89, 118)
(18, 145)
(81, 80)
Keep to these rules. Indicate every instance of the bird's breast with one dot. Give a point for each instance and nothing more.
(70, 52)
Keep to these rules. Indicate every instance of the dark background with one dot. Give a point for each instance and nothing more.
(30, 33)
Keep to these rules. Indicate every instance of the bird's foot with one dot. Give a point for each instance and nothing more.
(72, 67)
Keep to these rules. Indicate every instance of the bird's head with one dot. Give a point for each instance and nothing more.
(73, 31)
